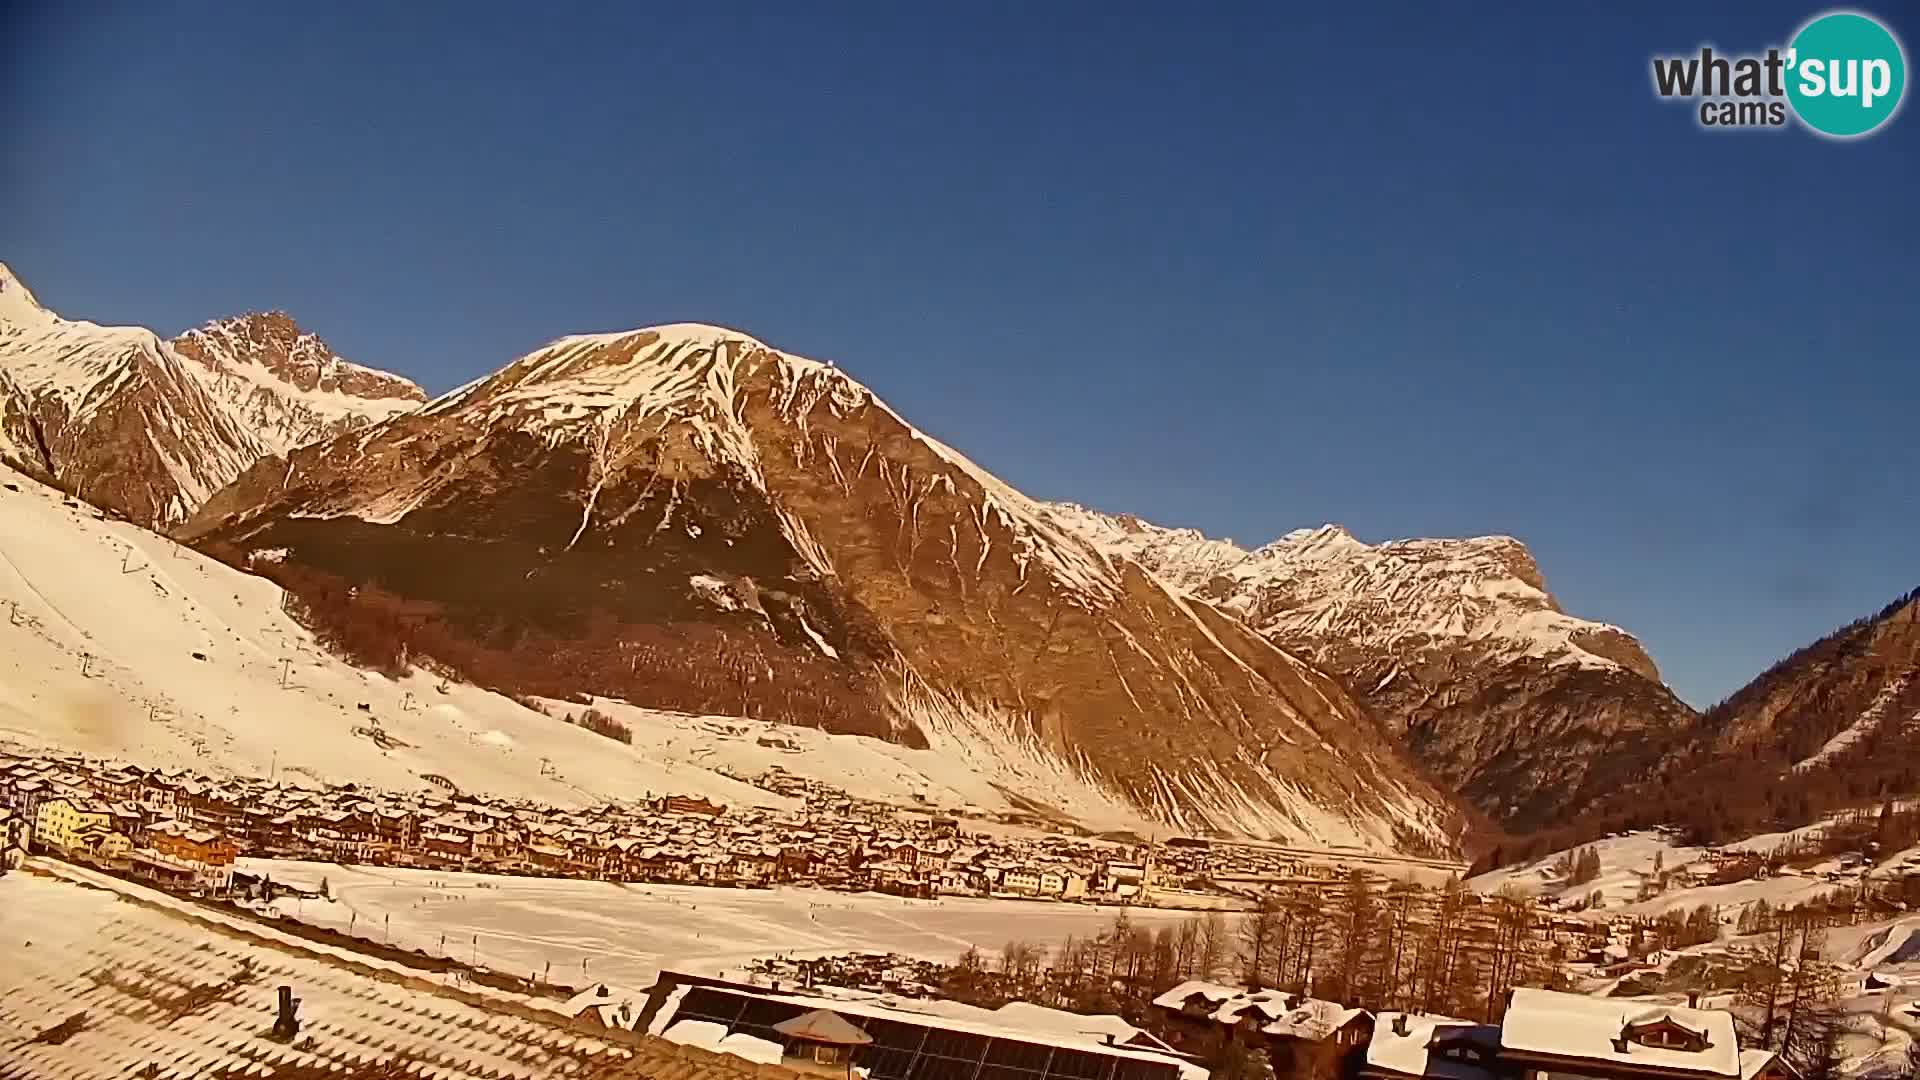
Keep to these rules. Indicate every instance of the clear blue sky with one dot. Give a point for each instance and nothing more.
(1420, 270)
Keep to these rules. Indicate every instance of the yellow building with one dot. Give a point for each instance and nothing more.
(69, 824)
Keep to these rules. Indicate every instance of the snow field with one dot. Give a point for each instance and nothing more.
(627, 934)
(100, 622)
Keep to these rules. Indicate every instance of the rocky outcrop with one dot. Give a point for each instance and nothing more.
(1847, 703)
(150, 428)
(1527, 711)
(287, 386)
(113, 414)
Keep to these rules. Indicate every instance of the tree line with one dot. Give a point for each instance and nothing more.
(687, 666)
(1362, 941)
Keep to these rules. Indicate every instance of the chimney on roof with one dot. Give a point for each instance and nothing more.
(287, 1024)
(1693, 999)
(1109, 1038)
(1400, 1024)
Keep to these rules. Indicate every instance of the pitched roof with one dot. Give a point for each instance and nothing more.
(1412, 1054)
(1569, 1025)
(823, 1026)
(1177, 997)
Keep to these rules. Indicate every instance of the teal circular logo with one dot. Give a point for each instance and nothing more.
(1845, 74)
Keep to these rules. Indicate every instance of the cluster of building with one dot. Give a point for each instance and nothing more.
(111, 817)
(181, 828)
(832, 1030)
(1540, 1033)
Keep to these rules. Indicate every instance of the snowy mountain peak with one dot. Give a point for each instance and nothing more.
(151, 428)
(272, 339)
(17, 303)
(114, 413)
(1327, 541)
(287, 384)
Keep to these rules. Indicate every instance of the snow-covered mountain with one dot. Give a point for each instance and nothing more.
(116, 641)
(286, 384)
(113, 413)
(684, 516)
(1527, 710)
(150, 428)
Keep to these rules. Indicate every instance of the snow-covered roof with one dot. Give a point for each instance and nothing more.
(742, 1045)
(1412, 1054)
(1024, 1014)
(990, 1023)
(1572, 1026)
(705, 1034)
(1313, 1018)
(1212, 991)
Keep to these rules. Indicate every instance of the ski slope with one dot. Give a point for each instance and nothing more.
(115, 641)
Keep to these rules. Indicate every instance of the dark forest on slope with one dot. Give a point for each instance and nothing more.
(1735, 773)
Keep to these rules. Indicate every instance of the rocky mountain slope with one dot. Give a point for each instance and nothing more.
(1527, 711)
(1846, 705)
(113, 413)
(684, 517)
(135, 424)
(286, 385)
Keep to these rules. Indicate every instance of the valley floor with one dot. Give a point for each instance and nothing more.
(626, 934)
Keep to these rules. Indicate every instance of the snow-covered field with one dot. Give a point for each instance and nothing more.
(627, 933)
(116, 641)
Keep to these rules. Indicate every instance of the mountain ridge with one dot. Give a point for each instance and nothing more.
(288, 384)
(1455, 642)
(783, 519)
(140, 425)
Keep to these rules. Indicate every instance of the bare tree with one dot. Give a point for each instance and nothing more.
(1808, 1022)
(1353, 946)
(1186, 947)
(1259, 932)
(1215, 946)
(1764, 982)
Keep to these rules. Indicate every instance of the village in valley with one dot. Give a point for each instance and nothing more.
(1248, 541)
(1284, 962)
(178, 827)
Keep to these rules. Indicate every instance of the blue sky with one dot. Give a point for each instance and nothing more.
(1418, 271)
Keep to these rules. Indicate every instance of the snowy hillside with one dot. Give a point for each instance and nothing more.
(116, 641)
(1631, 865)
(1642, 876)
